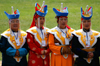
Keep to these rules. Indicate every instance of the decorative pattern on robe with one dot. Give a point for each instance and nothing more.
(11, 39)
(81, 47)
(56, 58)
(34, 41)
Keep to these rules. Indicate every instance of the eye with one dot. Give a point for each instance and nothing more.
(12, 21)
(84, 21)
(43, 18)
(61, 19)
(65, 19)
(40, 18)
(17, 21)
(89, 21)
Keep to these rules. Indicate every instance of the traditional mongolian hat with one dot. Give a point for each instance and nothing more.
(87, 14)
(15, 14)
(62, 12)
(39, 12)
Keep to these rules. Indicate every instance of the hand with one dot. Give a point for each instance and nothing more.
(90, 55)
(17, 53)
(43, 52)
(66, 50)
(63, 50)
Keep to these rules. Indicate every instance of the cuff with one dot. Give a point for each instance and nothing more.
(22, 51)
(61, 50)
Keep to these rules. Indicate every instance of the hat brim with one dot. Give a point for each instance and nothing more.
(58, 13)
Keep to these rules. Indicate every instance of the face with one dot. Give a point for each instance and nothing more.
(41, 21)
(62, 22)
(14, 24)
(86, 24)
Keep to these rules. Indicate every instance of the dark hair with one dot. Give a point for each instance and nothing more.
(57, 18)
(35, 14)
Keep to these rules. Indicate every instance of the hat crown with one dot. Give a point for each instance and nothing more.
(15, 14)
(43, 10)
(62, 11)
(87, 14)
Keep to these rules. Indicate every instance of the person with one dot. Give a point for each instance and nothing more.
(13, 46)
(86, 42)
(59, 40)
(37, 39)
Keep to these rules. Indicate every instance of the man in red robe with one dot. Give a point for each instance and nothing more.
(37, 39)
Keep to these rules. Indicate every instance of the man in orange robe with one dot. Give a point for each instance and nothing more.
(59, 40)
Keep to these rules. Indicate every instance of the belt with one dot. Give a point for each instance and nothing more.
(64, 46)
(89, 49)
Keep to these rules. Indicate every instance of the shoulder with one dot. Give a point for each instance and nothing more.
(71, 30)
(6, 33)
(47, 29)
(77, 32)
(32, 30)
(53, 30)
(96, 33)
(23, 33)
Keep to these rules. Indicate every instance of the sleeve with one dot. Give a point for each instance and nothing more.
(48, 51)
(11, 51)
(24, 50)
(52, 46)
(76, 48)
(3, 46)
(32, 44)
(97, 48)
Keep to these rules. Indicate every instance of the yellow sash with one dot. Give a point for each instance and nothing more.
(89, 50)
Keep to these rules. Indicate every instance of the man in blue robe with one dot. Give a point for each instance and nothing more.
(14, 47)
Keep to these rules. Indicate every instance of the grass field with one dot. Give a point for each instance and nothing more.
(27, 9)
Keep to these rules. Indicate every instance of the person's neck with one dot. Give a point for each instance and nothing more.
(62, 27)
(40, 27)
(86, 30)
(15, 30)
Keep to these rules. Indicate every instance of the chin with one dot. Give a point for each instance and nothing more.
(87, 28)
(15, 28)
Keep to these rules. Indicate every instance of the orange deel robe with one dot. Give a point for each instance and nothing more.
(56, 58)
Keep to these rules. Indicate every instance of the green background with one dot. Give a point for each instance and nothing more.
(27, 9)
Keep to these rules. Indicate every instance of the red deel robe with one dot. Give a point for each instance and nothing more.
(35, 58)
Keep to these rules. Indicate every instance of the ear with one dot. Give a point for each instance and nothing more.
(9, 21)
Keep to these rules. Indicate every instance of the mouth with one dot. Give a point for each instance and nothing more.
(63, 24)
(41, 23)
(15, 26)
(87, 26)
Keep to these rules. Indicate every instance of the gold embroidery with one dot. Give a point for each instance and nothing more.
(38, 36)
(83, 38)
(69, 33)
(61, 37)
